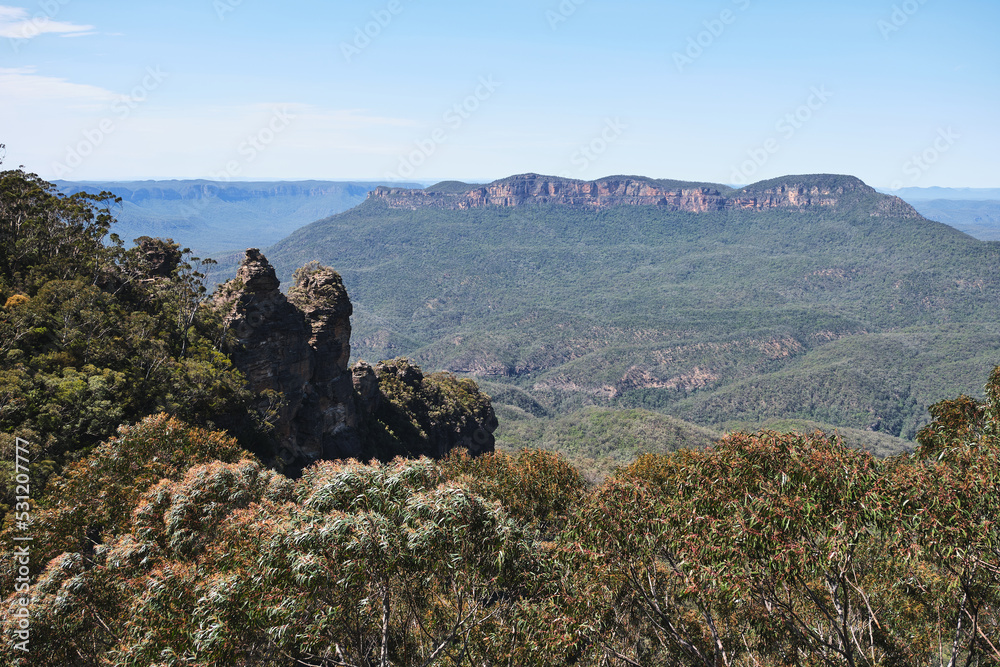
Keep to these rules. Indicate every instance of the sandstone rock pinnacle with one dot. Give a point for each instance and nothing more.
(299, 346)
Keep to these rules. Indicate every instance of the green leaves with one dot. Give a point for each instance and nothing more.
(201, 561)
(93, 335)
(775, 544)
(767, 549)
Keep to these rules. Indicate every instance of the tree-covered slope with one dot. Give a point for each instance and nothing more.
(980, 219)
(598, 440)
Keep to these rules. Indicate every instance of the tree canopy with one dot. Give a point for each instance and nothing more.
(170, 545)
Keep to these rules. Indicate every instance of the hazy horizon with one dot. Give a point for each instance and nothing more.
(993, 193)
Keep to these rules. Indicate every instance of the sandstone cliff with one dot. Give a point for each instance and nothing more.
(295, 351)
(792, 193)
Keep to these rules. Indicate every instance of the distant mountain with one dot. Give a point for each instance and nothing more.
(980, 219)
(792, 193)
(213, 217)
(959, 194)
(975, 211)
(806, 297)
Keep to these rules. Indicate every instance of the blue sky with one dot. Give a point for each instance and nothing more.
(899, 93)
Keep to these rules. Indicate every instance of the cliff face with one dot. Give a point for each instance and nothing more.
(533, 188)
(793, 193)
(295, 353)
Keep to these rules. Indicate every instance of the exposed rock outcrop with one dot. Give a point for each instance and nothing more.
(161, 256)
(298, 347)
(792, 192)
(533, 188)
(428, 415)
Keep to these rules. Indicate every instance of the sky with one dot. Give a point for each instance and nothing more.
(900, 93)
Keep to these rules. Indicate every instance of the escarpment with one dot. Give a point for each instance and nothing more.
(295, 353)
(820, 191)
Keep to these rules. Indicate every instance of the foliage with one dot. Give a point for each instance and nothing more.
(91, 501)
(425, 415)
(93, 335)
(538, 488)
(881, 445)
(598, 440)
(228, 563)
(767, 548)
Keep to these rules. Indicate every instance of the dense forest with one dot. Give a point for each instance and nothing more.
(159, 537)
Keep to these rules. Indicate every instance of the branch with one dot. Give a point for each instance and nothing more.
(384, 661)
(979, 631)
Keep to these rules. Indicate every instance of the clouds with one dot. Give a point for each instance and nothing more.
(17, 23)
(21, 85)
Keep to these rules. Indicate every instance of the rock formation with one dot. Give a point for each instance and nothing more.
(297, 348)
(161, 256)
(792, 192)
(533, 188)
(420, 415)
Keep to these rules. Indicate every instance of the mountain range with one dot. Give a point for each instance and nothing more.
(975, 211)
(214, 217)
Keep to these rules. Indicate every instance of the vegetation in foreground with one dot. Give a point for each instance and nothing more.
(170, 545)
